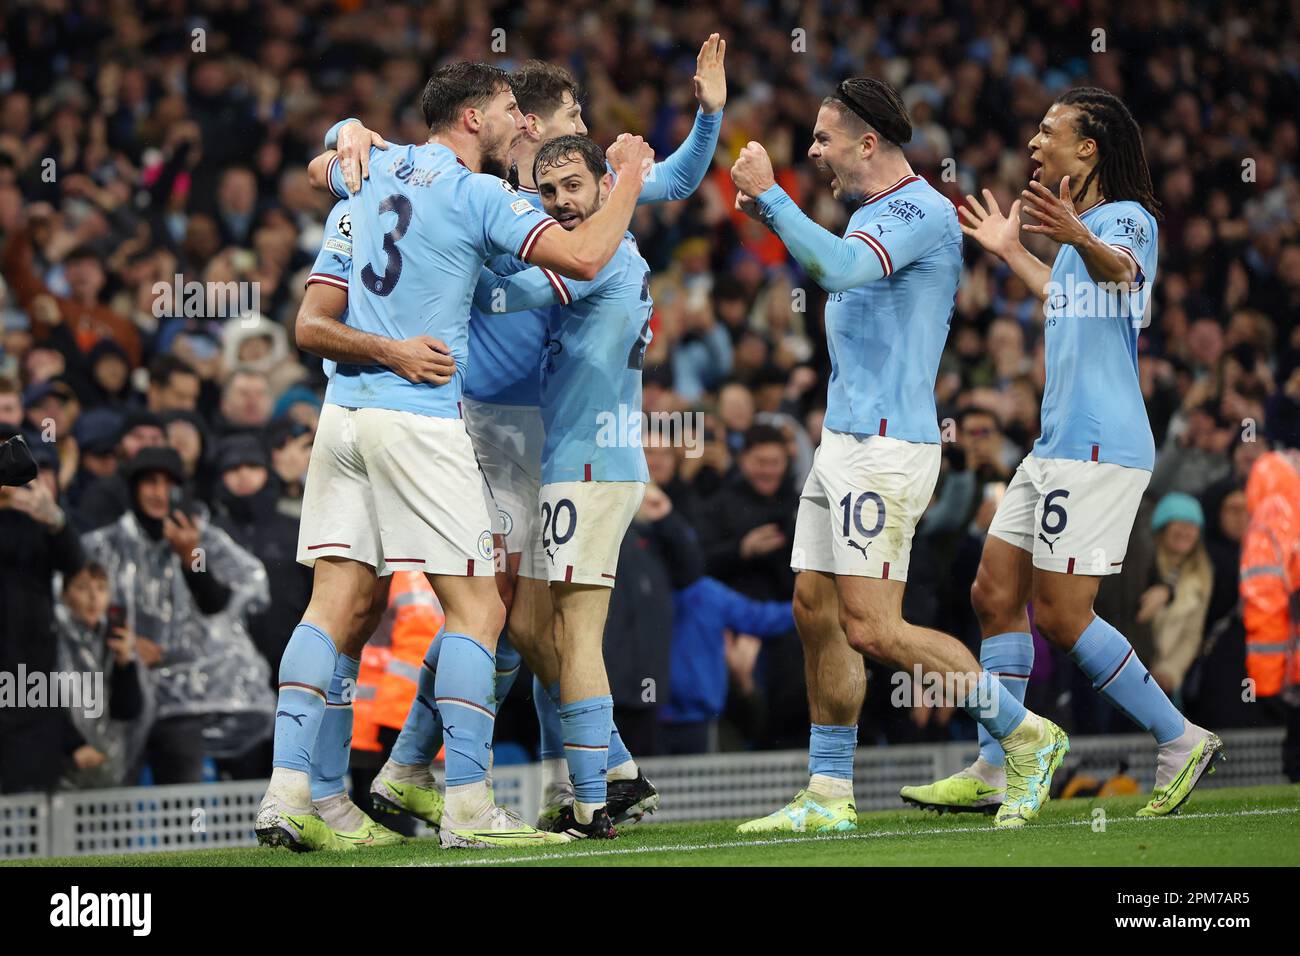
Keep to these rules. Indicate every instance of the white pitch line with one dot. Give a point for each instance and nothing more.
(829, 837)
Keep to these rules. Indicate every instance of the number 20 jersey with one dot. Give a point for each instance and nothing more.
(422, 226)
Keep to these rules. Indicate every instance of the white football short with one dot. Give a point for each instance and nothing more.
(1073, 516)
(583, 524)
(508, 441)
(861, 503)
(398, 491)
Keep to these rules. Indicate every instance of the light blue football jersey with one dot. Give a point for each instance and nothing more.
(1092, 404)
(333, 267)
(504, 355)
(886, 337)
(422, 226)
(594, 347)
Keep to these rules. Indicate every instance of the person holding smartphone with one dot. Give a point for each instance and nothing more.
(104, 742)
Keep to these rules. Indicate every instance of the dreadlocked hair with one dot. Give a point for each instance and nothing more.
(1121, 168)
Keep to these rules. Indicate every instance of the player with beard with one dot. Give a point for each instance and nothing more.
(502, 413)
(592, 479)
(422, 226)
(892, 281)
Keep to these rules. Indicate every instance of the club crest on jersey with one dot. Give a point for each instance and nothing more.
(507, 522)
(485, 545)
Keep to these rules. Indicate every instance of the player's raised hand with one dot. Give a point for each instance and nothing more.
(422, 359)
(631, 156)
(1056, 214)
(354, 153)
(752, 171)
(711, 74)
(987, 226)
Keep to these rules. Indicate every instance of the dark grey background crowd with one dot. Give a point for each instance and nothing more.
(149, 144)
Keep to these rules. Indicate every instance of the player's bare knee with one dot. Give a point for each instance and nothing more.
(871, 632)
(1059, 622)
(993, 602)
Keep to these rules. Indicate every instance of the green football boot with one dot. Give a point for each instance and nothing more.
(494, 826)
(394, 794)
(370, 834)
(1034, 751)
(807, 813)
(977, 789)
(301, 831)
(1199, 762)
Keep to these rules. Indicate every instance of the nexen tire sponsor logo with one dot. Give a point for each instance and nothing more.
(77, 909)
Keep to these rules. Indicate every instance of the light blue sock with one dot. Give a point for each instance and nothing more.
(507, 668)
(1008, 657)
(618, 752)
(329, 758)
(994, 707)
(830, 751)
(466, 672)
(586, 726)
(417, 744)
(305, 672)
(1116, 673)
(546, 701)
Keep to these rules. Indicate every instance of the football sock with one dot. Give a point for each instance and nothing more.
(464, 696)
(586, 726)
(621, 766)
(305, 672)
(546, 701)
(329, 758)
(417, 744)
(1107, 658)
(830, 759)
(994, 707)
(507, 668)
(1010, 658)
(339, 813)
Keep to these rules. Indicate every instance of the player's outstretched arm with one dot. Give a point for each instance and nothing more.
(834, 263)
(1000, 235)
(582, 253)
(678, 176)
(320, 330)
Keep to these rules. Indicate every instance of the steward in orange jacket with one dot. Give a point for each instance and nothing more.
(391, 662)
(1270, 590)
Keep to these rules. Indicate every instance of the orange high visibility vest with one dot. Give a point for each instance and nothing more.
(416, 619)
(365, 728)
(1270, 574)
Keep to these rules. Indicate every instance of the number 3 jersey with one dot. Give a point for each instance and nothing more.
(422, 226)
(591, 372)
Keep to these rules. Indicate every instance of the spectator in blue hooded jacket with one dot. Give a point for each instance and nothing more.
(704, 610)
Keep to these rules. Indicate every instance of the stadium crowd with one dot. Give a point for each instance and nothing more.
(148, 146)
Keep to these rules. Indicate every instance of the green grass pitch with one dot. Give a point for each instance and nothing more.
(1256, 826)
